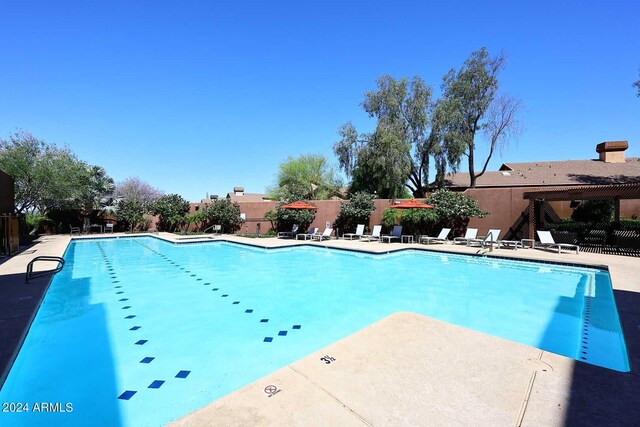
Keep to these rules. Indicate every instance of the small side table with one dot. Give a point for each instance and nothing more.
(532, 243)
(406, 238)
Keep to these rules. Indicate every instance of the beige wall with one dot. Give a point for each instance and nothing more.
(505, 205)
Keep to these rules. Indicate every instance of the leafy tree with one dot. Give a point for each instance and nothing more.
(357, 211)
(594, 211)
(171, 210)
(413, 221)
(48, 177)
(308, 177)
(454, 209)
(381, 162)
(470, 105)
(136, 189)
(224, 213)
(637, 85)
(286, 218)
(130, 214)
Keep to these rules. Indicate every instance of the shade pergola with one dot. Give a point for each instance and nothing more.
(299, 205)
(614, 192)
(411, 204)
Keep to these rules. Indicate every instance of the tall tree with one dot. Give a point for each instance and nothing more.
(136, 189)
(381, 162)
(471, 105)
(637, 85)
(47, 177)
(309, 177)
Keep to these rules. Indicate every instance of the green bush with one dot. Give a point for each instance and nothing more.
(597, 211)
(286, 218)
(223, 212)
(629, 224)
(130, 215)
(454, 209)
(171, 210)
(357, 211)
(413, 221)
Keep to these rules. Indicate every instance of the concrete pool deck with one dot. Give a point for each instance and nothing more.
(406, 369)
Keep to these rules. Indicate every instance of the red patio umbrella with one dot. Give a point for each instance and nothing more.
(411, 204)
(299, 205)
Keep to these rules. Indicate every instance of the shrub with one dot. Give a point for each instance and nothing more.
(454, 209)
(594, 211)
(286, 218)
(130, 214)
(171, 210)
(224, 213)
(413, 221)
(357, 211)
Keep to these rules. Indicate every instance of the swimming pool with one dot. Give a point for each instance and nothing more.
(138, 331)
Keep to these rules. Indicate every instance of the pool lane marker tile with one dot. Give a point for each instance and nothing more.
(127, 395)
(264, 320)
(123, 299)
(250, 310)
(135, 328)
(296, 326)
(183, 374)
(141, 342)
(282, 333)
(267, 339)
(147, 360)
(131, 316)
(224, 295)
(126, 307)
(236, 302)
(156, 384)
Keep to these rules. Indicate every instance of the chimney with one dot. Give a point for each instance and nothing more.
(612, 151)
(238, 191)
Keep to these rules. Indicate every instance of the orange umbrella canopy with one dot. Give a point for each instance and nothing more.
(299, 205)
(412, 204)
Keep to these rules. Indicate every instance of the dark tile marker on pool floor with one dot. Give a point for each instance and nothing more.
(131, 316)
(147, 360)
(296, 326)
(267, 339)
(156, 384)
(282, 333)
(135, 328)
(183, 374)
(264, 320)
(127, 395)
(249, 310)
(141, 342)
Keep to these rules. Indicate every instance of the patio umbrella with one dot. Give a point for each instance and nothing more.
(411, 204)
(299, 205)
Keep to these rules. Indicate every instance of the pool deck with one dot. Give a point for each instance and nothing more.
(406, 369)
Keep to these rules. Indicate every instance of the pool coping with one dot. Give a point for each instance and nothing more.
(623, 275)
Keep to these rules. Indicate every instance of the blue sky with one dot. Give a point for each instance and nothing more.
(198, 97)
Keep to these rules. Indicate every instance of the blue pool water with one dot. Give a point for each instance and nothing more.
(139, 331)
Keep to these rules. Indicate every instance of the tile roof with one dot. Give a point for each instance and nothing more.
(567, 172)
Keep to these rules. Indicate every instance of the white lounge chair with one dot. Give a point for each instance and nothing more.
(546, 241)
(309, 235)
(375, 234)
(492, 236)
(442, 237)
(395, 234)
(289, 234)
(326, 234)
(359, 232)
(471, 233)
(108, 228)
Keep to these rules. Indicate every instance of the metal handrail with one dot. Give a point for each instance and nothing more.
(218, 228)
(30, 274)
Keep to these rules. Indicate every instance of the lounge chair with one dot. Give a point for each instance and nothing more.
(492, 236)
(74, 230)
(546, 241)
(309, 235)
(471, 233)
(359, 232)
(288, 234)
(108, 228)
(395, 234)
(326, 234)
(375, 234)
(442, 237)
